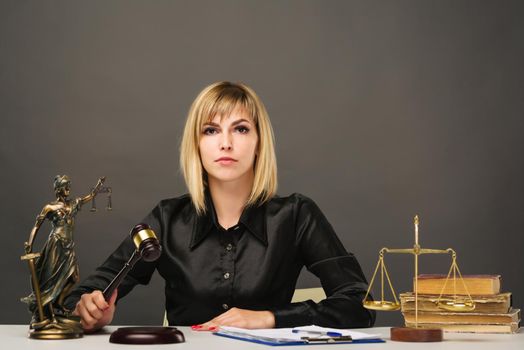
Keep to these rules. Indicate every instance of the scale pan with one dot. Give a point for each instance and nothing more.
(381, 305)
(457, 305)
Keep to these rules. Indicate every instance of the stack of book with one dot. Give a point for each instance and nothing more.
(493, 312)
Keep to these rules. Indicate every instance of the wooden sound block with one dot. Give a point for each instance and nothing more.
(147, 335)
(409, 334)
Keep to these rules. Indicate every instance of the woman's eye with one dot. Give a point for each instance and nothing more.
(242, 129)
(210, 131)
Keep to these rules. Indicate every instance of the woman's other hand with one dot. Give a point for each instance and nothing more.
(94, 311)
(239, 318)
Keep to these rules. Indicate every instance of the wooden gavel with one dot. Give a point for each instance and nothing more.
(147, 248)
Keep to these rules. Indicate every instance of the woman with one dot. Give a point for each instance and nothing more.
(56, 268)
(232, 249)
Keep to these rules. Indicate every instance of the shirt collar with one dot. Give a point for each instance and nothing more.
(253, 219)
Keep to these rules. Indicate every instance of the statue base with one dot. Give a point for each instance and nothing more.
(408, 334)
(58, 327)
(57, 330)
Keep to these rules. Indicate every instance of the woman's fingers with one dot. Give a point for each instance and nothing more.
(208, 326)
(112, 300)
(99, 300)
(88, 306)
(86, 319)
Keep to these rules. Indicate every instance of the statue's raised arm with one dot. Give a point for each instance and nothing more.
(98, 187)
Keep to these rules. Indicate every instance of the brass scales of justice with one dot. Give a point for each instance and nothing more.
(455, 304)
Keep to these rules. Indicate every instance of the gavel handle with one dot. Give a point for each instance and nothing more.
(121, 275)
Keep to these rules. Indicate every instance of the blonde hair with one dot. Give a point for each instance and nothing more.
(221, 99)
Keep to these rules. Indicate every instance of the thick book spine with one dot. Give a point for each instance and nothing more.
(468, 285)
(499, 303)
(471, 328)
(464, 317)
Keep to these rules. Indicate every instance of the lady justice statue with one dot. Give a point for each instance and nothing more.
(54, 271)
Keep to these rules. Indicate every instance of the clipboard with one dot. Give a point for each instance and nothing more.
(289, 337)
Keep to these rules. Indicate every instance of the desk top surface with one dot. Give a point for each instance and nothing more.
(15, 337)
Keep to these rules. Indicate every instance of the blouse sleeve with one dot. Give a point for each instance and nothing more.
(140, 274)
(339, 272)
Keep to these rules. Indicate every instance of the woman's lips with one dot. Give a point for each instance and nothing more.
(225, 160)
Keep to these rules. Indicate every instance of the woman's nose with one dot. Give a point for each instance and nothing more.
(225, 143)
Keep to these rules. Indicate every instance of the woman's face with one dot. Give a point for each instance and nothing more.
(228, 146)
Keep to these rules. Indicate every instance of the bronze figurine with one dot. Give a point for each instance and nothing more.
(54, 271)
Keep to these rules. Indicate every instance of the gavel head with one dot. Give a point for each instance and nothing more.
(146, 242)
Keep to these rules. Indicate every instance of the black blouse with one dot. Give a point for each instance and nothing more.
(253, 265)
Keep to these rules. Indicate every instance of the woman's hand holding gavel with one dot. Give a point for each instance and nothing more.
(94, 311)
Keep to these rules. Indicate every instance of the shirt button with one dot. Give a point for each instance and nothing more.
(226, 275)
(229, 247)
(225, 306)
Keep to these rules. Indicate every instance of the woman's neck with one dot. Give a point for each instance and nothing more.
(229, 199)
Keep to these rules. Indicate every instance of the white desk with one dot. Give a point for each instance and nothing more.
(14, 337)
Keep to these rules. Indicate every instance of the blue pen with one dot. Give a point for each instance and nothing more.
(329, 334)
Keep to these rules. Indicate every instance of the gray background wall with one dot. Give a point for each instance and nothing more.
(382, 110)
